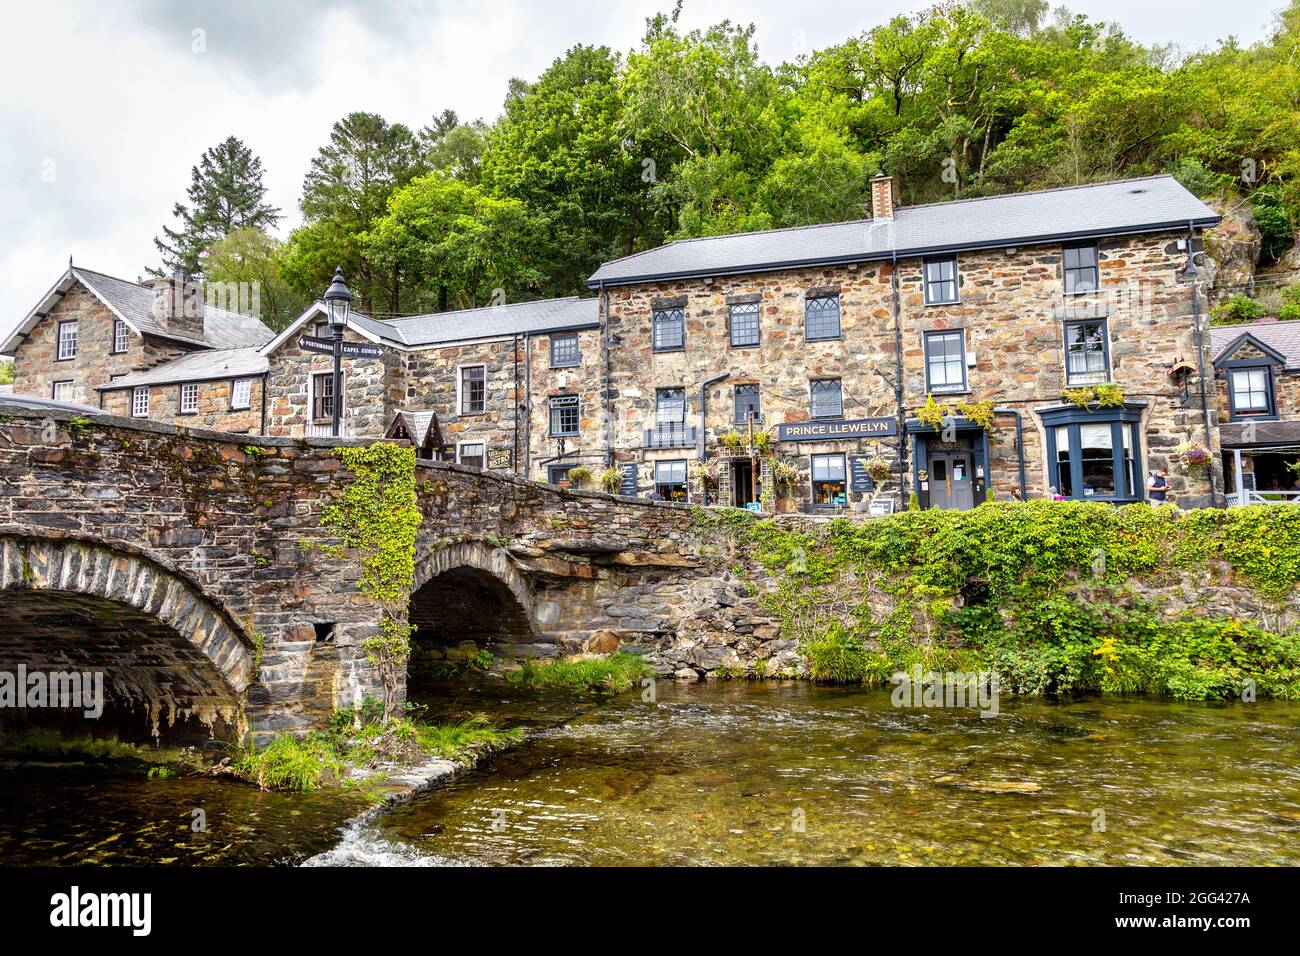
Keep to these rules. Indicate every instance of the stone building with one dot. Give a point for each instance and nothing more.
(1022, 345)
(155, 351)
(1257, 398)
(1033, 344)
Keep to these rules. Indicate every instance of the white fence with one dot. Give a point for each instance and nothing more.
(1263, 498)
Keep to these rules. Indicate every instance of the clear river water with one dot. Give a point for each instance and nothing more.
(741, 773)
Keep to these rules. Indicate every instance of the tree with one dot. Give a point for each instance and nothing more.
(225, 193)
(253, 259)
(453, 244)
(346, 189)
(6, 372)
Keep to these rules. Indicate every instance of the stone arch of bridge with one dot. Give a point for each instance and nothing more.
(174, 664)
(470, 597)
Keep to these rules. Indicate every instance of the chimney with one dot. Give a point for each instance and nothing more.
(178, 305)
(882, 197)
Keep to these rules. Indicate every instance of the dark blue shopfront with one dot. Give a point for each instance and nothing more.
(1094, 454)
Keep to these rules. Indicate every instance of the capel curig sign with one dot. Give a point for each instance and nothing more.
(831, 431)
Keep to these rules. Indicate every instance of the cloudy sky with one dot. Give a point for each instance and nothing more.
(105, 107)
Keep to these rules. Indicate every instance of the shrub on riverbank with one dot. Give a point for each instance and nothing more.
(616, 673)
(1053, 596)
(344, 752)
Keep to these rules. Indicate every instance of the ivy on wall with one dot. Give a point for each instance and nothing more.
(1053, 596)
(378, 518)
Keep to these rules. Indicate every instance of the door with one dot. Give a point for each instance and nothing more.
(742, 483)
(952, 485)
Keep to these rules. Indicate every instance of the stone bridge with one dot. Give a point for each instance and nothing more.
(180, 565)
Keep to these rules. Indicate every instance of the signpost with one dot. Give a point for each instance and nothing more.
(627, 479)
(351, 350)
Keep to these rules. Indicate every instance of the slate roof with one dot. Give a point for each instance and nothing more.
(1148, 204)
(1267, 434)
(1283, 337)
(515, 318)
(202, 366)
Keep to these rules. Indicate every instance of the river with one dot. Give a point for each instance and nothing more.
(744, 773)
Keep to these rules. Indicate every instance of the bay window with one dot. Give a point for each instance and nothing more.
(1093, 456)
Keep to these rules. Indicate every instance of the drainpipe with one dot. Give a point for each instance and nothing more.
(609, 415)
(898, 387)
(1020, 449)
(528, 404)
(703, 404)
(520, 407)
(1200, 357)
(263, 403)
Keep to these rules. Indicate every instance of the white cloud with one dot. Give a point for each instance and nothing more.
(113, 100)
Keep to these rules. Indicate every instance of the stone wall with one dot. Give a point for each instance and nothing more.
(214, 406)
(586, 381)
(372, 390)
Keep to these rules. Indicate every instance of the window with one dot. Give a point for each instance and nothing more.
(1094, 453)
(827, 398)
(564, 350)
(1081, 273)
(558, 473)
(115, 377)
(564, 415)
(322, 391)
(945, 361)
(669, 330)
(473, 389)
(746, 402)
(471, 453)
(670, 407)
(941, 281)
(1086, 353)
(1251, 391)
(241, 393)
(670, 480)
(744, 325)
(140, 401)
(61, 392)
(821, 317)
(323, 331)
(189, 398)
(828, 484)
(67, 347)
(121, 337)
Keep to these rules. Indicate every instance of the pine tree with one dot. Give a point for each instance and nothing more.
(225, 193)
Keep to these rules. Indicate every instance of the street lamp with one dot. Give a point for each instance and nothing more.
(338, 303)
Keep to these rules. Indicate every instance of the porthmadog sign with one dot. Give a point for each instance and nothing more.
(833, 431)
(356, 350)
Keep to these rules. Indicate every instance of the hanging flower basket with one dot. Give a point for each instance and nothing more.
(1196, 458)
(879, 470)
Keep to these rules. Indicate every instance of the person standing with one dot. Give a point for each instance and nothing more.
(1158, 486)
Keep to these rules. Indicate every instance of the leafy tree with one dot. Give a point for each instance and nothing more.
(225, 193)
(453, 244)
(346, 189)
(250, 257)
(6, 372)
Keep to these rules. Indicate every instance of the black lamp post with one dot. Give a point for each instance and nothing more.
(338, 302)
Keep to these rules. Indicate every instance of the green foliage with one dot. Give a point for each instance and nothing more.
(378, 517)
(1235, 310)
(579, 475)
(616, 673)
(1047, 594)
(980, 413)
(6, 371)
(250, 256)
(611, 479)
(1107, 395)
(932, 414)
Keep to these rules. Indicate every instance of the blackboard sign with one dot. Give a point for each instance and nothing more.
(859, 480)
(627, 483)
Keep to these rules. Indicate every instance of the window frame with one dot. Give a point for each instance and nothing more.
(121, 338)
(1235, 411)
(460, 452)
(460, 388)
(1066, 270)
(813, 481)
(655, 319)
(737, 417)
(748, 309)
(812, 399)
(54, 389)
(948, 389)
(839, 317)
(328, 378)
(558, 473)
(577, 349)
(1085, 377)
(685, 483)
(928, 283)
(1120, 419)
(137, 410)
(180, 398)
(660, 421)
(234, 391)
(569, 401)
(59, 341)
